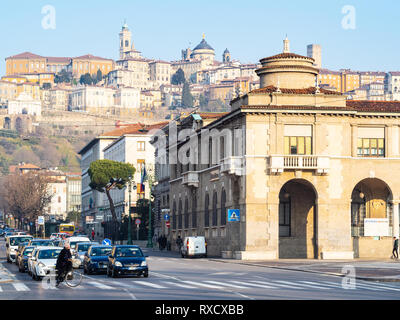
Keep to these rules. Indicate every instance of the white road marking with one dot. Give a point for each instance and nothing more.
(276, 284)
(20, 287)
(202, 284)
(254, 285)
(149, 284)
(303, 285)
(101, 285)
(1, 290)
(180, 285)
(226, 284)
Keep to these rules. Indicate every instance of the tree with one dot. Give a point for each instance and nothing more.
(187, 98)
(99, 76)
(74, 216)
(63, 77)
(106, 175)
(203, 102)
(178, 77)
(86, 79)
(25, 196)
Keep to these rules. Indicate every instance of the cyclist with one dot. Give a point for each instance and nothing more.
(64, 263)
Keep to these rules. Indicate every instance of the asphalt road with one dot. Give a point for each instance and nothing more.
(174, 278)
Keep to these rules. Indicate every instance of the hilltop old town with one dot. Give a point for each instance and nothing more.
(268, 160)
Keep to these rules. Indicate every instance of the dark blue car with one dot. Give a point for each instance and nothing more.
(22, 260)
(96, 259)
(127, 260)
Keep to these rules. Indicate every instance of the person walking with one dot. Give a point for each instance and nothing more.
(179, 242)
(395, 252)
(92, 234)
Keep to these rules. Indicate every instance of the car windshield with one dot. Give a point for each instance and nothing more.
(128, 252)
(42, 243)
(96, 252)
(83, 246)
(17, 241)
(49, 253)
(27, 251)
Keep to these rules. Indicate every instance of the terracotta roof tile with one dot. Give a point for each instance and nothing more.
(286, 55)
(310, 90)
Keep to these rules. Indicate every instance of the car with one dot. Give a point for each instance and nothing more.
(12, 243)
(59, 236)
(127, 260)
(22, 260)
(21, 247)
(44, 261)
(194, 246)
(96, 259)
(42, 243)
(74, 240)
(30, 261)
(80, 249)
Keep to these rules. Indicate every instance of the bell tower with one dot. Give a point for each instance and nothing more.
(125, 39)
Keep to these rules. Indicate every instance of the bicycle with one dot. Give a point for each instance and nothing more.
(73, 278)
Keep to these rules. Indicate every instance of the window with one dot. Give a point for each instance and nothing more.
(284, 216)
(298, 139)
(206, 211)
(194, 212)
(223, 208)
(186, 214)
(215, 210)
(298, 145)
(370, 147)
(141, 146)
(180, 215)
(174, 216)
(371, 142)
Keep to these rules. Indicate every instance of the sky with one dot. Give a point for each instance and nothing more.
(365, 38)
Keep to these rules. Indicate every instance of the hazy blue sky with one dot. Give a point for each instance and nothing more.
(250, 29)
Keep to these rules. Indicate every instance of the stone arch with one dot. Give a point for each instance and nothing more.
(297, 220)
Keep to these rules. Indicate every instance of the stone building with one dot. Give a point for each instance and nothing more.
(311, 173)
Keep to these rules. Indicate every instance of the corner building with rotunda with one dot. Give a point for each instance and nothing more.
(314, 175)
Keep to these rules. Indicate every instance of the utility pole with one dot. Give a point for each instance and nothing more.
(129, 213)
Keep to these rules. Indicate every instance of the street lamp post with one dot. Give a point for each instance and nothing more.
(129, 213)
(149, 237)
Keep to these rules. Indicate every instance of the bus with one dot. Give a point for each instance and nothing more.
(67, 228)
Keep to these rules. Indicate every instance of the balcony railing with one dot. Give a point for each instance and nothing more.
(191, 179)
(320, 164)
(233, 165)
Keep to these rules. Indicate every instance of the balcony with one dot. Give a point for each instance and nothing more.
(190, 179)
(233, 166)
(320, 164)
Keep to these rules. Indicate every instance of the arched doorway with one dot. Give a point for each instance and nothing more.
(371, 215)
(297, 220)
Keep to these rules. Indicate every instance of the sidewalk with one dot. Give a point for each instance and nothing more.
(370, 270)
(5, 275)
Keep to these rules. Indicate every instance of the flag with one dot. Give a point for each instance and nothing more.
(143, 179)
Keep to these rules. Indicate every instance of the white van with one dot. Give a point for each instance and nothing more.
(194, 246)
(74, 240)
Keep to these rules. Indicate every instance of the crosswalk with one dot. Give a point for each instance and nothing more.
(231, 284)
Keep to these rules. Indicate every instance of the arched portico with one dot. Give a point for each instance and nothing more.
(297, 220)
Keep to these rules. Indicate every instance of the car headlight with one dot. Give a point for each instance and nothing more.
(118, 264)
(42, 265)
(144, 264)
(82, 257)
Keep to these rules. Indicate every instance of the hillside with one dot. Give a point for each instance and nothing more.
(41, 149)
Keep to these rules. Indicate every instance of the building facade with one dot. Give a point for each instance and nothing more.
(310, 173)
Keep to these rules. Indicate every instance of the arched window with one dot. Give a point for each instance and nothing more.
(186, 212)
(194, 212)
(206, 211)
(223, 208)
(180, 214)
(215, 210)
(174, 216)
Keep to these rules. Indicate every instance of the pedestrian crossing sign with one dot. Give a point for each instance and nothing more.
(233, 215)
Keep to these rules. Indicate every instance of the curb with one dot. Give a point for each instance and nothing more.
(313, 271)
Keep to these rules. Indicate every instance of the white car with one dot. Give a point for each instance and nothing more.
(30, 261)
(12, 243)
(194, 246)
(44, 261)
(74, 240)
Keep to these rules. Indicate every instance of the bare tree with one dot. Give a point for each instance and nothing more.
(25, 196)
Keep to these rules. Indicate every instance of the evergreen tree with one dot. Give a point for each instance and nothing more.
(178, 77)
(187, 98)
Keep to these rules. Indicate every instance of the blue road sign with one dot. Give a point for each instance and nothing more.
(233, 215)
(166, 217)
(107, 242)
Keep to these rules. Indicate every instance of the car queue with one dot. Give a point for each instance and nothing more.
(38, 257)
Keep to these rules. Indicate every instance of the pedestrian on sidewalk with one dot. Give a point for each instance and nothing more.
(92, 234)
(179, 243)
(395, 252)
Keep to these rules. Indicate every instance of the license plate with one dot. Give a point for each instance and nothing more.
(131, 268)
(103, 266)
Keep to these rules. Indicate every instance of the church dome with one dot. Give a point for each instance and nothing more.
(203, 45)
